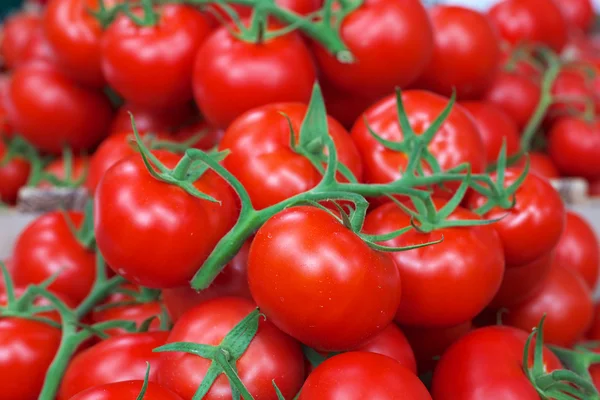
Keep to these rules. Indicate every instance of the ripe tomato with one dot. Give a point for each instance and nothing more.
(261, 157)
(398, 32)
(57, 168)
(577, 13)
(391, 342)
(180, 229)
(209, 136)
(39, 301)
(271, 355)
(149, 120)
(574, 145)
(487, 364)
(448, 283)
(50, 111)
(540, 164)
(344, 106)
(594, 332)
(137, 313)
(571, 89)
(13, 175)
(127, 390)
(313, 290)
(534, 225)
(165, 53)
(567, 302)
(26, 350)
(23, 40)
(362, 375)
(276, 70)
(46, 247)
(115, 359)
(466, 53)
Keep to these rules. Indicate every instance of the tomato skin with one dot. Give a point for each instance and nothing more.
(271, 354)
(344, 106)
(574, 145)
(57, 168)
(210, 136)
(127, 390)
(487, 364)
(24, 40)
(115, 359)
(578, 13)
(572, 88)
(261, 157)
(436, 291)
(362, 375)
(167, 73)
(594, 332)
(312, 289)
(26, 350)
(398, 32)
(50, 111)
(540, 164)
(137, 313)
(180, 229)
(466, 53)
(391, 342)
(277, 70)
(47, 246)
(147, 120)
(13, 175)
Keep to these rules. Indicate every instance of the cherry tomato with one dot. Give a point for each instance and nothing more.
(391, 342)
(170, 232)
(261, 157)
(398, 32)
(540, 164)
(312, 290)
(58, 168)
(578, 13)
(13, 175)
(276, 70)
(137, 313)
(23, 40)
(594, 331)
(571, 90)
(362, 375)
(165, 53)
(127, 390)
(147, 120)
(574, 145)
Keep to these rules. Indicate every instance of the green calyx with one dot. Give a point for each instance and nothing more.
(85, 233)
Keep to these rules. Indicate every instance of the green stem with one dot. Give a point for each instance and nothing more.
(68, 344)
(182, 168)
(97, 295)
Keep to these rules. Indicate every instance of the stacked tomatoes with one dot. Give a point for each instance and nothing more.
(300, 199)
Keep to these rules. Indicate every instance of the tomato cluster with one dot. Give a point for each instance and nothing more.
(347, 199)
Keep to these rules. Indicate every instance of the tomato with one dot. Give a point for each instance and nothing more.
(448, 283)
(362, 375)
(57, 168)
(487, 364)
(516, 94)
(50, 111)
(457, 141)
(571, 90)
(261, 157)
(540, 164)
(180, 229)
(533, 226)
(26, 350)
(127, 390)
(302, 7)
(345, 107)
(137, 313)
(520, 21)
(312, 290)
(567, 302)
(232, 281)
(24, 40)
(165, 53)
(391, 342)
(13, 175)
(594, 332)
(522, 67)
(208, 136)
(574, 145)
(149, 120)
(466, 54)
(40, 301)
(398, 32)
(495, 127)
(47, 247)
(577, 13)
(115, 359)
(271, 355)
(276, 70)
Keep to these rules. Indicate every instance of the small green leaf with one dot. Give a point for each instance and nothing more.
(314, 126)
(240, 337)
(435, 126)
(201, 350)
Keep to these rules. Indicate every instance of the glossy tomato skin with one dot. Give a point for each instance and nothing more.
(391, 342)
(148, 120)
(50, 111)
(13, 175)
(272, 355)
(24, 40)
(165, 53)
(574, 145)
(398, 32)
(115, 359)
(180, 229)
(533, 226)
(487, 364)
(312, 290)
(207, 136)
(47, 246)
(262, 159)
(540, 164)
(361, 375)
(578, 13)
(127, 390)
(58, 168)
(466, 53)
(572, 89)
(26, 350)
(137, 313)
(448, 283)
(277, 70)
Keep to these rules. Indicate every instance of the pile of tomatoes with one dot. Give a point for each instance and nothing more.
(300, 199)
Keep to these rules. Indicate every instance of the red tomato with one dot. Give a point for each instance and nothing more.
(448, 283)
(261, 157)
(594, 331)
(137, 313)
(398, 32)
(271, 355)
(115, 359)
(487, 364)
(391, 342)
(24, 40)
(345, 107)
(50, 111)
(79, 170)
(165, 53)
(577, 13)
(13, 175)
(574, 145)
(522, 67)
(276, 70)
(128, 390)
(209, 136)
(567, 302)
(46, 247)
(361, 375)
(540, 164)
(571, 90)
(312, 290)
(148, 120)
(179, 229)
(533, 226)
(495, 126)
(40, 301)
(466, 54)
(516, 94)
